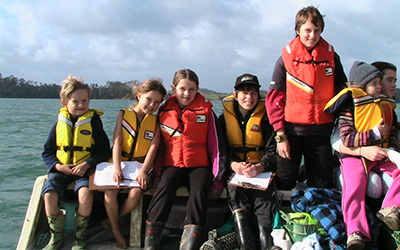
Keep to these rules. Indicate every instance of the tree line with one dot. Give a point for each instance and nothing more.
(13, 87)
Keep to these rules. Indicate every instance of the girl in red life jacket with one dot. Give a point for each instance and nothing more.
(136, 138)
(191, 154)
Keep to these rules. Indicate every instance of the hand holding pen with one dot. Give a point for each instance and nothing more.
(239, 167)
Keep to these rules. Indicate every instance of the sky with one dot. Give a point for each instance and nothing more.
(124, 40)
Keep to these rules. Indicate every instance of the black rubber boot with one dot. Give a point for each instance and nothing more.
(191, 237)
(244, 234)
(153, 235)
(265, 237)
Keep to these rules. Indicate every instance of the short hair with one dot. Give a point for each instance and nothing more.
(312, 13)
(155, 84)
(384, 65)
(70, 85)
(185, 74)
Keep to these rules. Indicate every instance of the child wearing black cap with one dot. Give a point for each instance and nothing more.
(251, 150)
(365, 119)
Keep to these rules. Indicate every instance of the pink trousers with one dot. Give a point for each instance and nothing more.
(355, 180)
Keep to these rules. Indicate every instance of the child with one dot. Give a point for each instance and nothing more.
(365, 119)
(76, 144)
(251, 150)
(136, 138)
(193, 153)
(305, 78)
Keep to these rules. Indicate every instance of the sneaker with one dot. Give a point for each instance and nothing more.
(355, 241)
(391, 217)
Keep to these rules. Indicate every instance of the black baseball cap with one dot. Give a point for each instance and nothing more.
(247, 79)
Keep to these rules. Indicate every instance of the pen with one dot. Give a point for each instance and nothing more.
(248, 160)
(128, 179)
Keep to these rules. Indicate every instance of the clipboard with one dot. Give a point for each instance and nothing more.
(259, 182)
(101, 179)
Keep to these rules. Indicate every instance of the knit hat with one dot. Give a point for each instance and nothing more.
(247, 79)
(361, 73)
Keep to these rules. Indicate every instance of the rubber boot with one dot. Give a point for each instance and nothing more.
(244, 234)
(191, 237)
(81, 223)
(56, 226)
(265, 237)
(153, 235)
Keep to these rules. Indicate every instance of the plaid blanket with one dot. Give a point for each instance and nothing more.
(324, 205)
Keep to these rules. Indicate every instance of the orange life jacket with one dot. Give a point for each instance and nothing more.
(309, 82)
(185, 132)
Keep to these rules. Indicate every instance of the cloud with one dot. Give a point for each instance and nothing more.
(108, 40)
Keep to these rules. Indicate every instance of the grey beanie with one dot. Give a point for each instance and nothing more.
(361, 73)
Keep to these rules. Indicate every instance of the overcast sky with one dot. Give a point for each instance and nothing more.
(108, 40)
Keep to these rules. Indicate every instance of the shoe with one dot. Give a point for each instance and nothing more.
(391, 217)
(56, 226)
(355, 241)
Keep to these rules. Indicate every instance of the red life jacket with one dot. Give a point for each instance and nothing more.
(309, 82)
(185, 132)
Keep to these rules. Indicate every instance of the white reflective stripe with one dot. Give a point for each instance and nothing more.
(300, 84)
(129, 128)
(169, 131)
(83, 122)
(288, 49)
(363, 99)
(228, 99)
(65, 120)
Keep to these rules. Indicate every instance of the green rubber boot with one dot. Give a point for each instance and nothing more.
(81, 223)
(56, 226)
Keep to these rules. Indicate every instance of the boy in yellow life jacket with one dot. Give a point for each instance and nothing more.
(251, 150)
(365, 119)
(75, 145)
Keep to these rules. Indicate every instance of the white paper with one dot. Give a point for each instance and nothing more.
(394, 156)
(105, 171)
(260, 181)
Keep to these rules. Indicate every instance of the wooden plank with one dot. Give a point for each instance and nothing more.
(32, 215)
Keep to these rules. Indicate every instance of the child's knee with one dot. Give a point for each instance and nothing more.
(111, 195)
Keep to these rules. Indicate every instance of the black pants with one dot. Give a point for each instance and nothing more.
(198, 180)
(258, 203)
(317, 151)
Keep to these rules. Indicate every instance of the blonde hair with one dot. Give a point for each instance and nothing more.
(71, 84)
(155, 84)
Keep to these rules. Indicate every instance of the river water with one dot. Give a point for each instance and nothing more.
(24, 127)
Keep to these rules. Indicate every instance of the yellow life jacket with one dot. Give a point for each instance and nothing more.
(136, 137)
(74, 141)
(250, 145)
(369, 110)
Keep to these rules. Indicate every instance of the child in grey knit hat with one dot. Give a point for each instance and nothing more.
(365, 119)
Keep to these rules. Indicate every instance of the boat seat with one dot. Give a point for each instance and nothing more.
(135, 236)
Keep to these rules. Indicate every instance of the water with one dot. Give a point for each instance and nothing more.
(24, 127)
